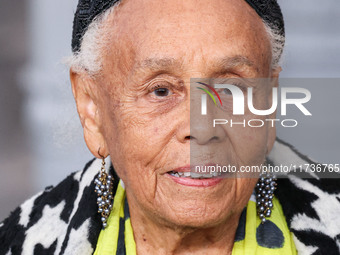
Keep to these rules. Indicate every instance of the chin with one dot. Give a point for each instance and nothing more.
(197, 217)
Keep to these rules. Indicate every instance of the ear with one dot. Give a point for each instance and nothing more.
(274, 80)
(86, 97)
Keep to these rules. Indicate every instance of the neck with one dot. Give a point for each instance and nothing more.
(155, 236)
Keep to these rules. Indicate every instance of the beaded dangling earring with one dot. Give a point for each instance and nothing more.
(104, 184)
(265, 188)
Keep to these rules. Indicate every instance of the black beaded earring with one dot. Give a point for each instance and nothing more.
(265, 188)
(103, 188)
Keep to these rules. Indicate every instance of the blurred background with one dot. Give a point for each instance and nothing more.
(40, 135)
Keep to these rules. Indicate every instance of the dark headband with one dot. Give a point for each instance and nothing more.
(87, 10)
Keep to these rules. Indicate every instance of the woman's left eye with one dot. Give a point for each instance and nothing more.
(226, 91)
(162, 92)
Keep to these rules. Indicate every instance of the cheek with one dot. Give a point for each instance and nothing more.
(253, 138)
(137, 145)
(132, 149)
(249, 145)
(140, 140)
(246, 145)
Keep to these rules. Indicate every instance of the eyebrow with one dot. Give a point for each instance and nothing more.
(224, 64)
(234, 61)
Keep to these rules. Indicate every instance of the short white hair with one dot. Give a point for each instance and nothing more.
(277, 42)
(94, 45)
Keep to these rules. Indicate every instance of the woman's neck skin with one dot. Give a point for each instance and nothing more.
(155, 237)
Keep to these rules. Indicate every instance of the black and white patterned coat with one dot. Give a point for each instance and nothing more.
(64, 219)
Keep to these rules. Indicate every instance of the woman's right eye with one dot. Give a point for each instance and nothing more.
(161, 92)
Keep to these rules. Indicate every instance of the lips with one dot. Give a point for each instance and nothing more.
(188, 177)
(193, 175)
(190, 171)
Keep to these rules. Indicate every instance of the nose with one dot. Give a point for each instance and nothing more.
(199, 128)
(202, 130)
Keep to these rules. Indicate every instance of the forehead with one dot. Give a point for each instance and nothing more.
(176, 32)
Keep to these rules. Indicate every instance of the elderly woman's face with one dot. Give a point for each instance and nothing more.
(143, 100)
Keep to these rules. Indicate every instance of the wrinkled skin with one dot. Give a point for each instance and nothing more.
(137, 110)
